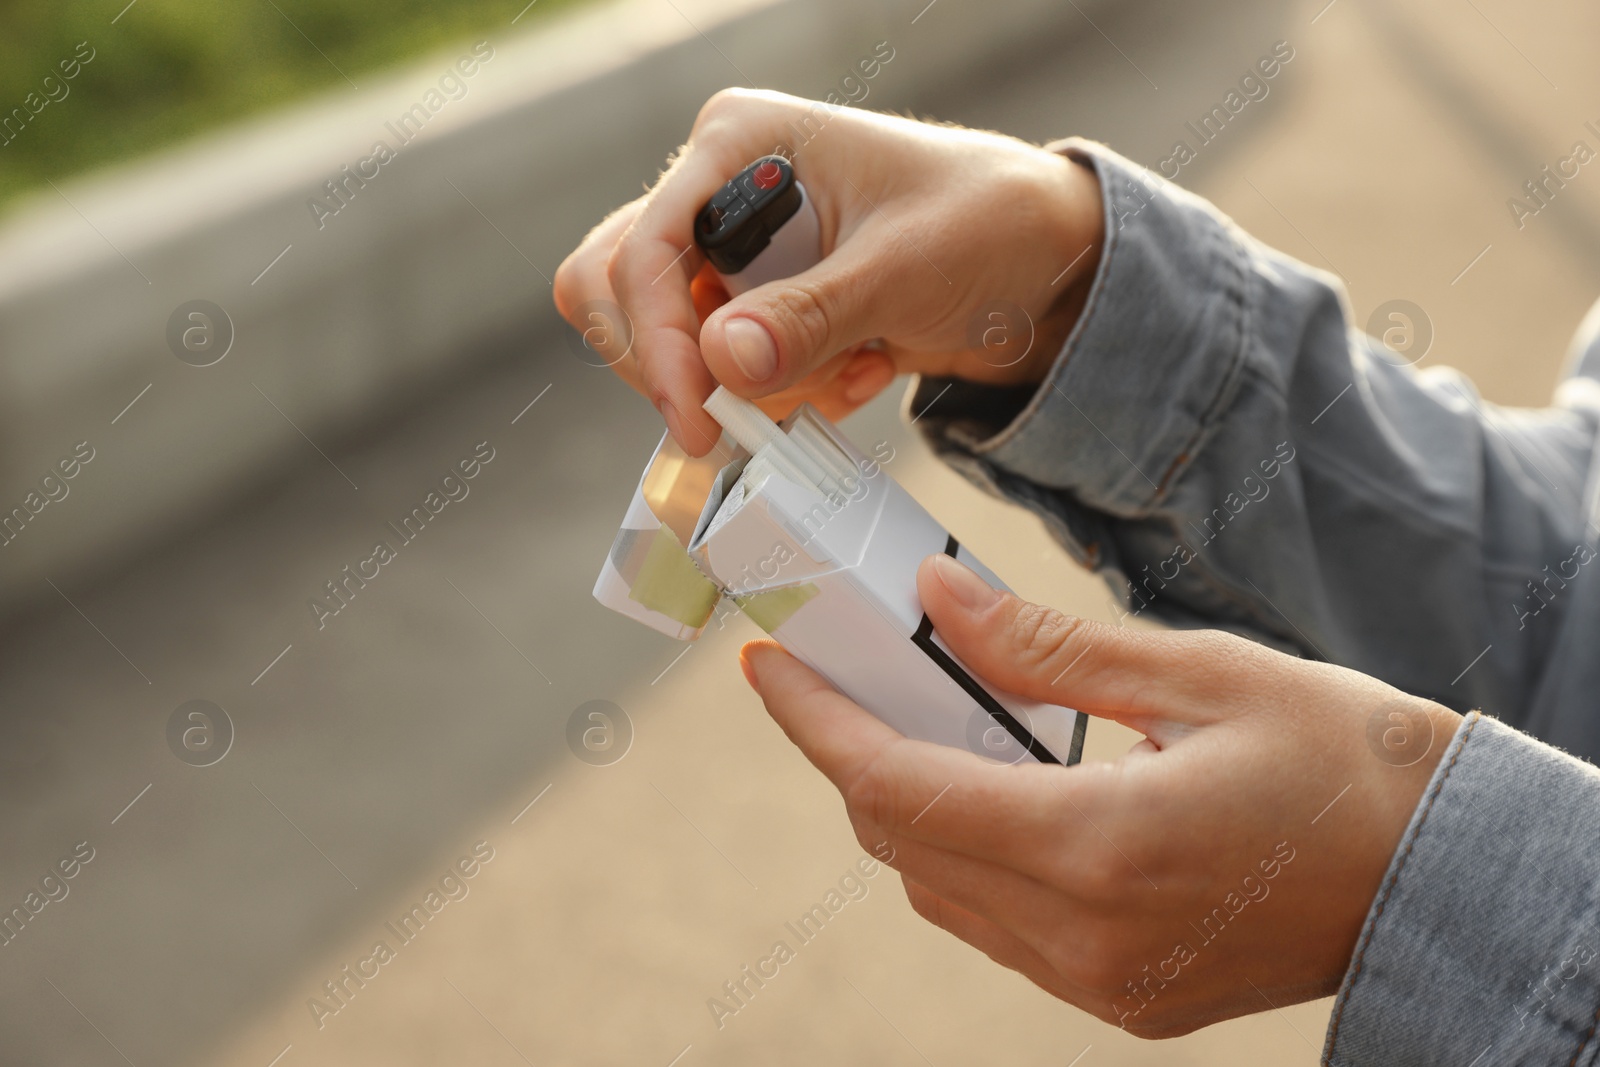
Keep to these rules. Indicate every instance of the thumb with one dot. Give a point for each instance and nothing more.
(776, 334)
(1141, 679)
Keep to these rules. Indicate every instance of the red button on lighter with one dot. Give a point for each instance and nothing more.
(767, 176)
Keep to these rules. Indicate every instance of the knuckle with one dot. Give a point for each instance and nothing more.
(1041, 634)
(1161, 1026)
(871, 839)
(873, 799)
(881, 847)
(1089, 962)
(925, 903)
(617, 262)
(1103, 878)
(565, 287)
(721, 106)
(1222, 647)
(802, 313)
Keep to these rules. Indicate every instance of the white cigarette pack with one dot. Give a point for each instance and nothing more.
(829, 571)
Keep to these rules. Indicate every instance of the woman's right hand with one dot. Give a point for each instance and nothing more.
(967, 253)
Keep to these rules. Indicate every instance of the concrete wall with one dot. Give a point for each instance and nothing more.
(441, 259)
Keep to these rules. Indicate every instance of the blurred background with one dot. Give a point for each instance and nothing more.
(357, 337)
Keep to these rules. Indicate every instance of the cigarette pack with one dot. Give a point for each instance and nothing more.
(819, 546)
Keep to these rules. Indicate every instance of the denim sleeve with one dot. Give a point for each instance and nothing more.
(1218, 438)
(1483, 944)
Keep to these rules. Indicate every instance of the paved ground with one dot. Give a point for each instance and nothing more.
(428, 715)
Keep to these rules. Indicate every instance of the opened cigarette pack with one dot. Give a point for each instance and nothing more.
(816, 543)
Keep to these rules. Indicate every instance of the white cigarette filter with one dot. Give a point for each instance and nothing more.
(819, 546)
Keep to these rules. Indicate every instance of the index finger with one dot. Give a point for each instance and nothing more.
(656, 259)
(1025, 817)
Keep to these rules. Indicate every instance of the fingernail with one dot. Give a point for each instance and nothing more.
(669, 415)
(752, 348)
(863, 386)
(970, 591)
(862, 390)
(749, 671)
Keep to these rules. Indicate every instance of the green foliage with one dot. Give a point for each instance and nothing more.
(169, 68)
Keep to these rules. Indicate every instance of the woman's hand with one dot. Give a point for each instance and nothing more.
(932, 235)
(1226, 864)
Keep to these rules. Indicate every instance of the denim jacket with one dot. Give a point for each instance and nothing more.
(1224, 445)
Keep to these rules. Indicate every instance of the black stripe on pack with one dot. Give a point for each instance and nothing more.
(923, 639)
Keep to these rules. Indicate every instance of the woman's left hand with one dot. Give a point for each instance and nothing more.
(1223, 866)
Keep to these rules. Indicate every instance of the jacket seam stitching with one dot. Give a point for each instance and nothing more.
(1588, 1037)
(1236, 292)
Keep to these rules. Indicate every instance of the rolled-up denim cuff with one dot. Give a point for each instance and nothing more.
(1132, 395)
(1482, 944)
